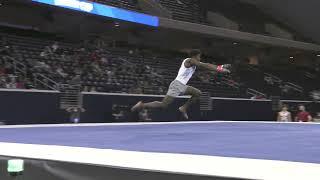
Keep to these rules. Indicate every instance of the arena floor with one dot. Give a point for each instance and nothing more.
(253, 150)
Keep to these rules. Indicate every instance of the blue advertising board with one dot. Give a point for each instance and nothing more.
(104, 10)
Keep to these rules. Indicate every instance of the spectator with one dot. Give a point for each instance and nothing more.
(78, 70)
(161, 91)
(136, 90)
(75, 113)
(144, 116)
(76, 80)
(54, 47)
(39, 65)
(118, 113)
(5, 47)
(93, 89)
(86, 89)
(303, 115)
(11, 82)
(96, 68)
(104, 61)
(317, 117)
(61, 72)
(284, 115)
(20, 83)
(2, 70)
(28, 84)
(3, 81)
(50, 50)
(8, 68)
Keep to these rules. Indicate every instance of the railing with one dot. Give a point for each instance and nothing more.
(205, 102)
(295, 87)
(230, 82)
(17, 66)
(252, 68)
(45, 81)
(274, 78)
(155, 8)
(70, 96)
(255, 92)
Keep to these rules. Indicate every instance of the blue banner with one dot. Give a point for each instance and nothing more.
(104, 10)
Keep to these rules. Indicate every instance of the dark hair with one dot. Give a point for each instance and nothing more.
(194, 52)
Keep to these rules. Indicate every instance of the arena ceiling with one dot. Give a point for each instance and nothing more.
(302, 16)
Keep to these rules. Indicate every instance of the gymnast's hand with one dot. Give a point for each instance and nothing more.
(224, 68)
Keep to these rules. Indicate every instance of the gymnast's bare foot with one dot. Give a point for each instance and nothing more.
(184, 112)
(137, 107)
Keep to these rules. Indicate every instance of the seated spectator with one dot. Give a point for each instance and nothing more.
(61, 72)
(93, 89)
(20, 83)
(28, 84)
(11, 82)
(78, 70)
(86, 89)
(136, 90)
(284, 115)
(49, 50)
(3, 81)
(303, 115)
(76, 80)
(8, 68)
(161, 91)
(2, 70)
(39, 65)
(54, 47)
(5, 47)
(104, 61)
(96, 68)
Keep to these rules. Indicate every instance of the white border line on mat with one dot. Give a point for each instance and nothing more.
(167, 162)
(148, 123)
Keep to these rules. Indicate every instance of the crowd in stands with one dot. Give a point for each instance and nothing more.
(9, 78)
(100, 67)
(100, 70)
(301, 115)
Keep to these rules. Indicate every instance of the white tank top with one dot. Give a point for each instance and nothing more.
(184, 73)
(284, 116)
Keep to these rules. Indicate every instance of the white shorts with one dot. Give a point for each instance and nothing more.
(176, 88)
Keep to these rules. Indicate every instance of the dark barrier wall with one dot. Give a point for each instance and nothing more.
(99, 108)
(29, 107)
(25, 107)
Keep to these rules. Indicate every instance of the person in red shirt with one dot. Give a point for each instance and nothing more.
(303, 115)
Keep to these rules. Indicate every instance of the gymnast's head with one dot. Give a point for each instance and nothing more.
(195, 54)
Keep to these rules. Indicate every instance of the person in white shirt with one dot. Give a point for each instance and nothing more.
(179, 85)
(284, 115)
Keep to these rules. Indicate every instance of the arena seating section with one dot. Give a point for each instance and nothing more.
(128, 70)
(120, 70)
